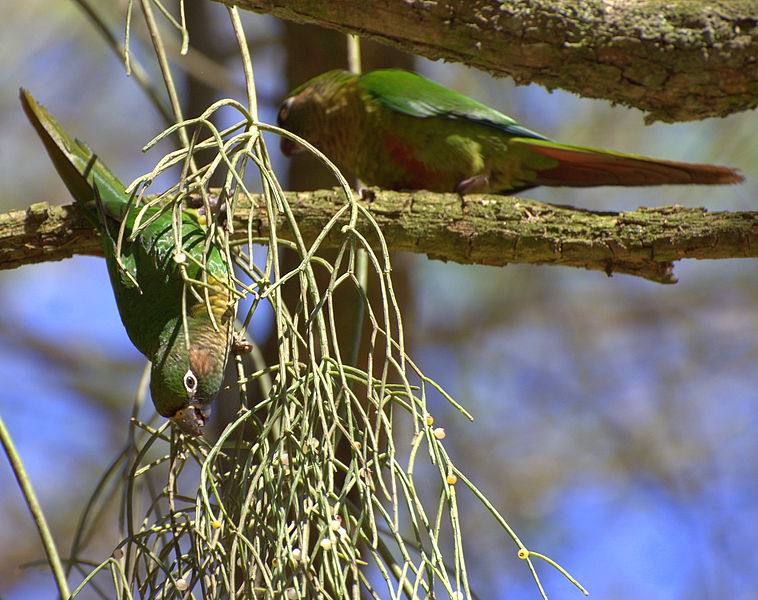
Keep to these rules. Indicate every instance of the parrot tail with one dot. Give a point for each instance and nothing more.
(78, 166)
(584, 167)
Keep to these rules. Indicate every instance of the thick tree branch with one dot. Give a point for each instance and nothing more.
(489, 230)
(676, 60)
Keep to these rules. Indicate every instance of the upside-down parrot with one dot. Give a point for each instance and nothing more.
(167, 321)
(398, 130)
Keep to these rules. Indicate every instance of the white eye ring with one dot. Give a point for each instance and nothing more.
(190, 382)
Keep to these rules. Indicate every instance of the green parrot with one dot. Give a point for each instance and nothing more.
(398, 130)
(166, 320)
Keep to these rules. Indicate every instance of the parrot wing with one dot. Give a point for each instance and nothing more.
(416, 96)
(91, 182)
(76, 163)
(101, 195)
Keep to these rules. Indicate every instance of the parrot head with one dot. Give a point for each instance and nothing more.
(184, 382)
(305, 111)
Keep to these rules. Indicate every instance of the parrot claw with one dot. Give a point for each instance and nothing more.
(367, 194)
(240, 346)
(477, 183)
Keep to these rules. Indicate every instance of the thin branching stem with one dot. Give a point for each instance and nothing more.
(25, 484)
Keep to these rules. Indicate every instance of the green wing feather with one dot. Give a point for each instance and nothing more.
(154, 284)
(82, 171)
(416, 96)
(78, 166)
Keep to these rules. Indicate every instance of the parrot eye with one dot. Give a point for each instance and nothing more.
(284, 111)
(190, 382)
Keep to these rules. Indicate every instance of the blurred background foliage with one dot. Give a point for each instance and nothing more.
(615, 418)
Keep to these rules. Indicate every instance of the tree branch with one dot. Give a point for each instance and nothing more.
(678, 61)
(481, 229)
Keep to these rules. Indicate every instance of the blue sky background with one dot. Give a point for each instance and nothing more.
(615, 418)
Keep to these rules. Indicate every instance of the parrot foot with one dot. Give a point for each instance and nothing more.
(213, 203)
(477, 183)
(240, 345)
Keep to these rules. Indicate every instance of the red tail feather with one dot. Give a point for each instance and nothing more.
(580, 167)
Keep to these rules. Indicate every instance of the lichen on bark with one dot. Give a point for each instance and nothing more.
(477, 229)
(677, 61)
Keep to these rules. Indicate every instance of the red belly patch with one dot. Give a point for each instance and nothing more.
(415, 173)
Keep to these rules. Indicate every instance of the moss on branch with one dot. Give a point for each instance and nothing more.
(477, 229)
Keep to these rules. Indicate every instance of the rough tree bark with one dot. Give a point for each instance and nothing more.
(489, 230)
(678, 61)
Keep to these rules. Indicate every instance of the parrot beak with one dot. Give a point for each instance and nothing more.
(192, 418)
(288, 147)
